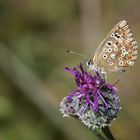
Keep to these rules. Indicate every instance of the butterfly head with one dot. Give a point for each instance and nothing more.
(91, 65)
(89, 62)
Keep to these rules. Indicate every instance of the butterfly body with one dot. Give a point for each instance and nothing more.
(117, 52)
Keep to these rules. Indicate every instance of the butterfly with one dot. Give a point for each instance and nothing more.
(117, 52)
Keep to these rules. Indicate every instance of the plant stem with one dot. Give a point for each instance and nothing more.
(98, 135)
(108, 133)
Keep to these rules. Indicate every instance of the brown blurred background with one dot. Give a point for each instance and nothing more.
(34, 36)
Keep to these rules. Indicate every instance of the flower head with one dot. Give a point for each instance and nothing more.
(94, 101)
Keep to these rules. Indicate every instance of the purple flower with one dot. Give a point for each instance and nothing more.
(94, 101)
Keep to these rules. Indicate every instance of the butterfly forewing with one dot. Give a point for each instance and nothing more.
(118, 51)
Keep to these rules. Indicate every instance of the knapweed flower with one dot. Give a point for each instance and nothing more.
(94, 101)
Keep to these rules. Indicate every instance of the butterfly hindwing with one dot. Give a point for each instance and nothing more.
(118, 51)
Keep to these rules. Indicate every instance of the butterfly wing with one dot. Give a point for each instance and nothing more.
(117, 51)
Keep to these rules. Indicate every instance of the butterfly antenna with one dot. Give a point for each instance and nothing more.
(72, 52)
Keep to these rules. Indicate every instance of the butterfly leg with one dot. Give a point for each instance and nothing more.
(104, 75)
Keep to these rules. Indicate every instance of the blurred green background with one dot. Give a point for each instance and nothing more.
(34, 37)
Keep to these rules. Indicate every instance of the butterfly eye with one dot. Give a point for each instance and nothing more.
(88, 63)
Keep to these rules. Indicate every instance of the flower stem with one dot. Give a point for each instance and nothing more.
(108, 133)
(98, 135)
